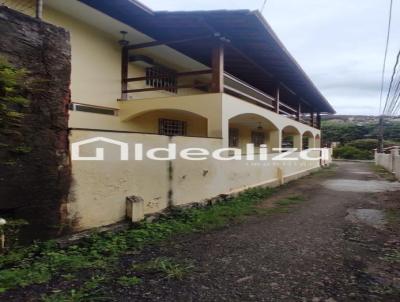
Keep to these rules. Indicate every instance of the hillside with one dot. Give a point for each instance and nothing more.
(357, 135)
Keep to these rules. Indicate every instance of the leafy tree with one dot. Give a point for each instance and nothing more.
(349, 152)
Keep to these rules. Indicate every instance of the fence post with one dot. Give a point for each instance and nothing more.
(394, 152)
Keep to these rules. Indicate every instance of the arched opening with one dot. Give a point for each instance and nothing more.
(291, 137)
(253, 129)
(170, 122)
(317, 141)
(308, 140)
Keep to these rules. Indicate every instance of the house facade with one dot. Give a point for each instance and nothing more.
(209, 79)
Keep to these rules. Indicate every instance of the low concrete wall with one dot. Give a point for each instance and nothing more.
(100, 188)
(396, 166)
(390, 162)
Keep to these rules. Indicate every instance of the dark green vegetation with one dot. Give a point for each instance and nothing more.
(42, 262)
(358, 139)
(12, 103)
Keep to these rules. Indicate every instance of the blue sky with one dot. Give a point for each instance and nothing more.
(340, 44)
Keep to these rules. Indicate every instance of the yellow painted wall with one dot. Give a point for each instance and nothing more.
(208, 106)
(100, 188)
(149, 122)
(27, 7)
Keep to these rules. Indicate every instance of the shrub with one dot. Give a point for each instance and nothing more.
(350, 152)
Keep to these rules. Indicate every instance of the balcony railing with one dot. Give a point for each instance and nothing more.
(235, 87)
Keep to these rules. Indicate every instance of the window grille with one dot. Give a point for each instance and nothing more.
(233, 137)
(161, 77)
(172, 127)
(257, 138)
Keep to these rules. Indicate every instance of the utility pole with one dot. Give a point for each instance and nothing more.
(380, 134)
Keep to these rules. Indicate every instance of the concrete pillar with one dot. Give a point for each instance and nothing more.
(394, 153)
(311, 142)
(317, 142)
(274, 140)
(135, 208)
(298, 142)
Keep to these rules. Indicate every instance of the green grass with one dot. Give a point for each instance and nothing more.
(382, 172)
(166, 266)
(40, 263)
(393, 216)
(392, 257)
(290, 201)
(129, 281)
(90, 291)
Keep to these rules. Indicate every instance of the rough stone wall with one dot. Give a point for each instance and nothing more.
(36, 186)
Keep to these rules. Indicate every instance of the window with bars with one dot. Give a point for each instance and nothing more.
(257, 138)
(233, 137)
(172, 127)
(161, 77)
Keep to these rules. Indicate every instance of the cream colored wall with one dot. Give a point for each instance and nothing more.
(245, 136)
(149, 122)
(208, 106)
(96, 61)
(233, 106)
(99, 188)
(27, 7)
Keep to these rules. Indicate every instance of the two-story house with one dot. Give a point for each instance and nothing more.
(209, 79)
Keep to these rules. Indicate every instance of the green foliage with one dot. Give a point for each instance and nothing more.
(11, 95)
(40, 262)
(91, 291)
(292, 200)
(348, 132)
(129, 281)
(343, 132)
(393, 256)
(165, 266)
(349, 152)
(12, 102)
(11, 230)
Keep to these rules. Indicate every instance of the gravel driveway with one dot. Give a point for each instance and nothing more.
(312, 253)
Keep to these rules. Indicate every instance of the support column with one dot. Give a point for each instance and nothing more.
(217, 82)
(311, 142)
(275, 140)
(319, 120)
(298, 113)
(312, 119)
(124, 72)
(298, 142)
(277, 98)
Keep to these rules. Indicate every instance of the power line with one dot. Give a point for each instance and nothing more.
(263, 5)
(386, 51)
(389, 105)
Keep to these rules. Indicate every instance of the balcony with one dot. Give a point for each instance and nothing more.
(200, 80)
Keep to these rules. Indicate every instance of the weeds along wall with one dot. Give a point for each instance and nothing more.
(34, 183)
(390, 162)
(99, 188)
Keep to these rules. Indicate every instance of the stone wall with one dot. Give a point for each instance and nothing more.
(36, 186)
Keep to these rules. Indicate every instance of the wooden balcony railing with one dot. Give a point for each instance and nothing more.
(235, 87)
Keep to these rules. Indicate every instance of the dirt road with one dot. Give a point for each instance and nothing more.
(325, 249)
